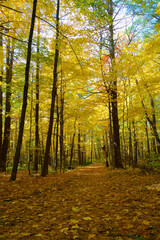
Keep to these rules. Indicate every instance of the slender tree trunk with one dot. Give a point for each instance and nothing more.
(124, 139)
(129, 126)
(54, 90)
(61, 126)
(7, 124)
(147, 138)
(36, 160)
(153, 127)
(1, 93)
(56, 153)
(111, 140)
(130, 145)
(72, 145)
(154, 145)
(25, 93)
(152, 121)
(91, 146)
(79, 147)
(117, 153)
(30, 132)
(135, 146)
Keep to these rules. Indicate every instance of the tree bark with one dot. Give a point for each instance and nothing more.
(7, 125)
(79, 147)
(61, 126)
(54, 90)
(25, 93)
(152, 121)
(1, 94)
(30, 131)
(147, 138)
(116, 137)
(72, 145)
(135, 146)
(36, 160)
(57, 130)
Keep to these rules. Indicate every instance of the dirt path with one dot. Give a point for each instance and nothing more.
(88, 203)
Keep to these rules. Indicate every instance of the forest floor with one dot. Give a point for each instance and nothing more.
(90, 202)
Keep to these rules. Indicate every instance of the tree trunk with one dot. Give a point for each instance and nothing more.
(25, 93)
(111, 143)
(56, 153)
(61, 126)
(116, 137)
(30, 137)
(7, 125)
(79, 147)
(54, 90)
(36, 160)
(147, 138)
(130, 145)
(1, 93)
(91, 146)
(135, 146)
(152, 121)
(72, 145)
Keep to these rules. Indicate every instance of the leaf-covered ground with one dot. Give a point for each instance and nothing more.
(88, 203)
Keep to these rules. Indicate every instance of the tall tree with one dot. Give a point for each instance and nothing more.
(37, 104)
(1, 92)
(7, 125)
(54, 90)
(25, 93)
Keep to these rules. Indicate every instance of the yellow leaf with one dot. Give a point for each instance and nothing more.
(74, 237)
(87, 218)
(145, 222)
(135, 218)
(35, 225)
(74, 221)
(91, 236)
(75, 209)
(118, 217)
(130, 226)
(75, 226)
(64, 230)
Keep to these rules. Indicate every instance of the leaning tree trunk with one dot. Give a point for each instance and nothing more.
(116, 137)
(25, 93)
(54, 90)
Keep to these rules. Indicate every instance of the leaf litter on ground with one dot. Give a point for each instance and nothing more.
(90, 202)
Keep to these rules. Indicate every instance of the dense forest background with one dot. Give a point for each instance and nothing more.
(79, 82)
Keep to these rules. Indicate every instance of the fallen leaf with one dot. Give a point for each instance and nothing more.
(39, 235)
(87, 218)
(74, 221)
(91, 236)
(64, 230)
(75, 209)
(145, 222)
(75, 226)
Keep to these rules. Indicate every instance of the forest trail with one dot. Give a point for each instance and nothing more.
(90, 202)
